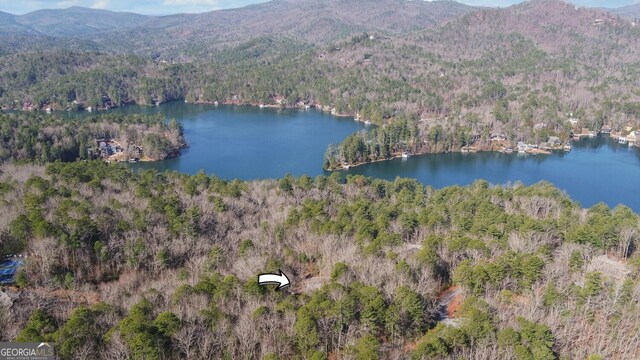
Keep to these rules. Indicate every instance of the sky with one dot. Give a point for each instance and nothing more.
(163, 7)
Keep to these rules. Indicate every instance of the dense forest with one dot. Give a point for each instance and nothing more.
(378, 144)
(163, 265)
(47, 138)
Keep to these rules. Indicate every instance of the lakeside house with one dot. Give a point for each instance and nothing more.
(111, 150)
(522, 147)
(554, 141)
(280, 100)
(108, 148)
(584, 132)
(633, 138)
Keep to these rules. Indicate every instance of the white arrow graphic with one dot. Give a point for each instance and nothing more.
(274, 279)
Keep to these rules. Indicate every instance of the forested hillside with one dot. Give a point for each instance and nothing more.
(629, 11)
(520, 74)
(163, 266)
(78, 21)
(44, 138)
(188, 37)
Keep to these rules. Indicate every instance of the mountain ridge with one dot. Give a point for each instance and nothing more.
(78, 21)
(629, 11)
(188, 36)
(304, 21)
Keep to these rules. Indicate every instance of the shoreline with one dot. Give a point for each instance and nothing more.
(330, 111)
(305, 106)
(460, 151)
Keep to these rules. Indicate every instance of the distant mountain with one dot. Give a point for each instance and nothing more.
(630, 11)
(552, 25)
(8, 23)
(6, 18)
(303, 21)
(77, 21)
(291, 25)
(18, 37)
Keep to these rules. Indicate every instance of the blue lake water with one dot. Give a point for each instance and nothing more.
(252, 143)
(595, 170)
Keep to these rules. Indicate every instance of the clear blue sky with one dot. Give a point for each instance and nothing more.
(177, 6)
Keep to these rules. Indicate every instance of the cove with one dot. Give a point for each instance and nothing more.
(247, 142)
(251, 143)
(596, 170)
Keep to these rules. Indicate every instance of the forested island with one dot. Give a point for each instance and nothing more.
(163, 265)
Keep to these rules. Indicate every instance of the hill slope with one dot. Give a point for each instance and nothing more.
(173, 260)
(630, 11)
(8, 24)
(78, 21)
(303, 21)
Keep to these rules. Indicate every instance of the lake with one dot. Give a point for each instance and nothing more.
(252, 143)
(595, 170)
(247, 142)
